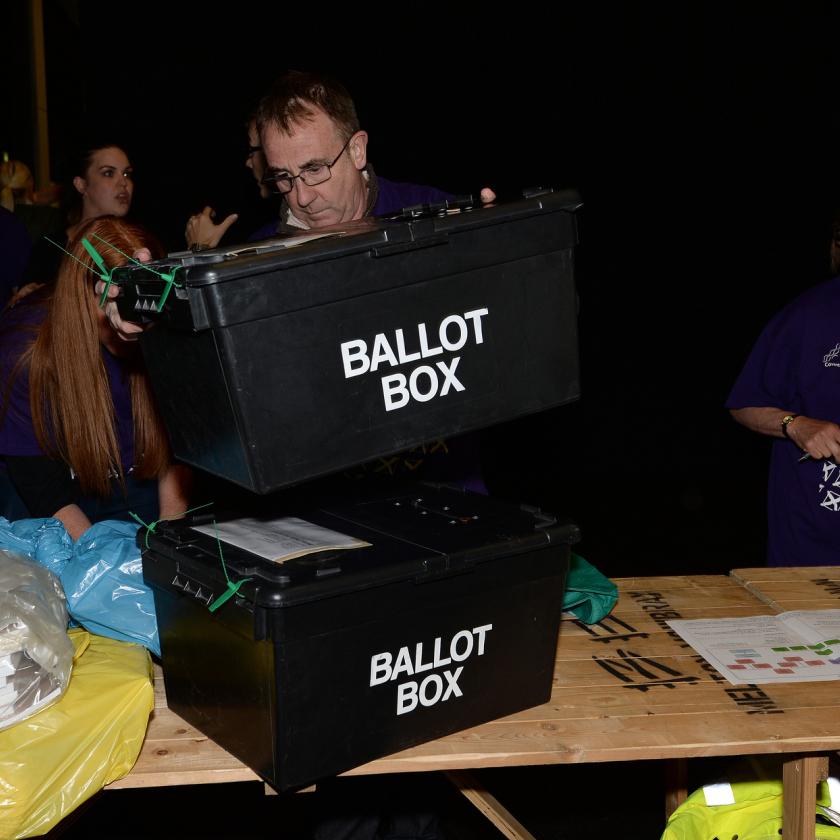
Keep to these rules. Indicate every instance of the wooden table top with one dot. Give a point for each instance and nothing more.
(625, 689)
(810, 588)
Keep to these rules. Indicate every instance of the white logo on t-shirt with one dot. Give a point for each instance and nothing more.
(828, 359)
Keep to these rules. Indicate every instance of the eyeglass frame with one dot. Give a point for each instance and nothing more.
(272, 178)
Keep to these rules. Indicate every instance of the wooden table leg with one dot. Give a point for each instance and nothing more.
(488, 805)
(800, 776)
(676, 784)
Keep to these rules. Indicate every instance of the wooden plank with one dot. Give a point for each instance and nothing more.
(572, 628)
(800, 776)
(165, 725)
(777, 573)
(695, 699)
(799, 590)
(469, 786)
(160, 687)
(650, 599)
(184, 762)
(612, 739)
(671, 582)
(806, 588)
(676, 784)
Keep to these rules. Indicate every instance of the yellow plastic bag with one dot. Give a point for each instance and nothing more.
(53, 761)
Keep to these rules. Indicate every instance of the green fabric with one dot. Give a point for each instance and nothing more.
(589, 595)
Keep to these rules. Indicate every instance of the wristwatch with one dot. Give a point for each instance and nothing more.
(786, 421)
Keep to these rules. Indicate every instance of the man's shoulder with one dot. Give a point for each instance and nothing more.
(817, 303)
(826, 292)
(394, 195)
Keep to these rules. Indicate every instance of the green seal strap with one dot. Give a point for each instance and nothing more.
(232, 588)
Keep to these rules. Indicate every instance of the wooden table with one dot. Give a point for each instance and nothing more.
(625, 689)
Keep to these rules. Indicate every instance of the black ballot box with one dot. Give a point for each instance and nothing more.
(444, 617)
(296, 358)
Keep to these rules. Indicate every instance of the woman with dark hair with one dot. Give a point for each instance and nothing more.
(101, 183)
(79, 430)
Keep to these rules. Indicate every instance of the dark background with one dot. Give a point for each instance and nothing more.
(701, 136)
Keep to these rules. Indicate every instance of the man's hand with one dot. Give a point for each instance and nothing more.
(819, 438)
(202, 231)
(126, 330)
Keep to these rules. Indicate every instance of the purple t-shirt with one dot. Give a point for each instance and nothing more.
(15, 247)
(17, 433)
(795, 366)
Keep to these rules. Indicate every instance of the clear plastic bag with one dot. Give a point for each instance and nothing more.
(36, 654)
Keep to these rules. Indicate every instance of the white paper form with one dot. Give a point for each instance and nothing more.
(281, 243)
(279, 539)
(796, 646)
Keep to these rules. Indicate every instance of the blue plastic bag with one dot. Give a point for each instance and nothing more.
(105, 588)
(45, 540)
(102, 575)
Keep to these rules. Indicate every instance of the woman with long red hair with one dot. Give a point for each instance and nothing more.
(79, 430)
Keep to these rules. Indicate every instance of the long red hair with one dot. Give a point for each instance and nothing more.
(69, 394)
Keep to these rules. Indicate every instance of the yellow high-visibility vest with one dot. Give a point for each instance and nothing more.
(748, 810)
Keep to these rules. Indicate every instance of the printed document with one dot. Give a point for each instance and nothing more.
(795, 646)
(279, 539)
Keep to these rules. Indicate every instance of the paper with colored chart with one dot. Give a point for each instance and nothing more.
(795, 646)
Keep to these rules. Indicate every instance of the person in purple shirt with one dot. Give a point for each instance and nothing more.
(316, 157)
(789, 390)
(80, 436)
(300, 125)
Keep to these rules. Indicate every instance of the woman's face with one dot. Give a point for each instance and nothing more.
(107, 186)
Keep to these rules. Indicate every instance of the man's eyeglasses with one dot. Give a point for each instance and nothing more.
(312, 175)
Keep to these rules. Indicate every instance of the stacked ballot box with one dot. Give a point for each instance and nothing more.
(399, 632)
(296, 358)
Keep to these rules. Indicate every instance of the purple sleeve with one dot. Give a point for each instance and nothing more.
(393, 196)
(267, 231)
(770, 375)
(15, 246)
(17, 435)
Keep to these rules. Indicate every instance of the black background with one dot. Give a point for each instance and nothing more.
(701, 136)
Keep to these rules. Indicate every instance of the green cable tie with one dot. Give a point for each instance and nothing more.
(149, 528)
(168, 278)
(152, 526)
(170, 281)
(104, 273)
(102, 276)
(232, 588)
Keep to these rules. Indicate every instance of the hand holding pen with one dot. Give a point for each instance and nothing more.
(818, 439)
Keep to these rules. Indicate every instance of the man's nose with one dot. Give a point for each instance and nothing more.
(305, 194)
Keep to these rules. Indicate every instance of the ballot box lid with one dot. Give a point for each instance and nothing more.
(235, 284)
(412, 532)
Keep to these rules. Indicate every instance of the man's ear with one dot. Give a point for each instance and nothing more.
(80, 184)
(358, 149)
